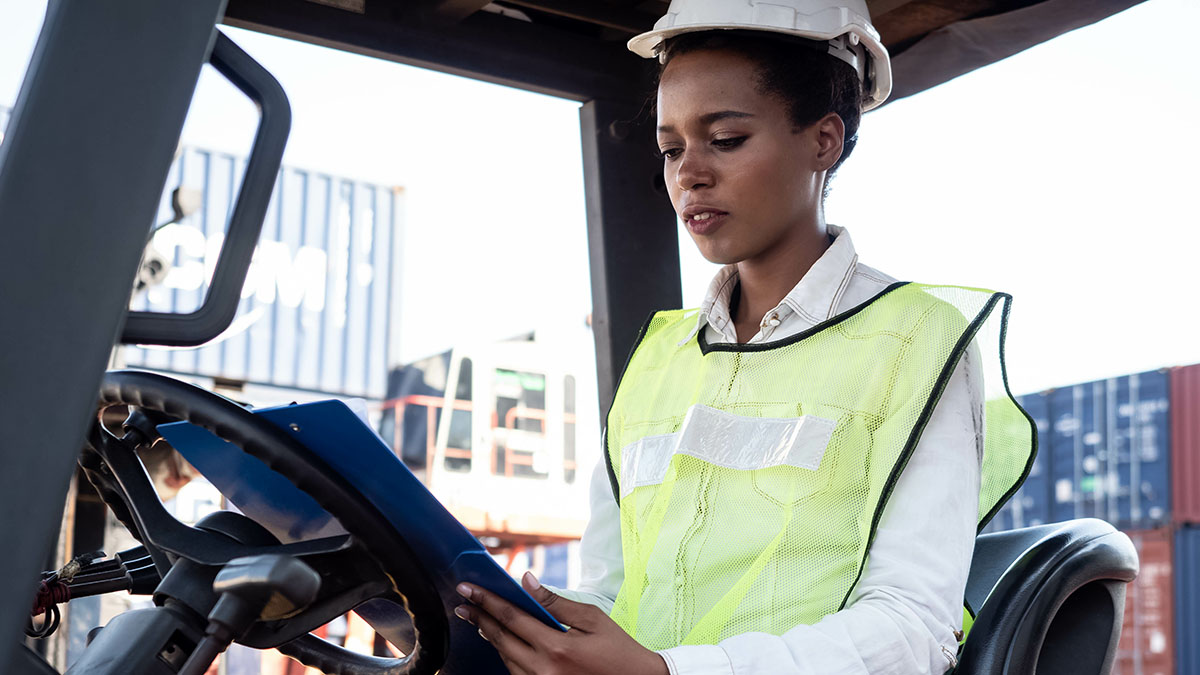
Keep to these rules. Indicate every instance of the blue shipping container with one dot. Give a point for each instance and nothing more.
(1031, 504)
(320, 305)
(556, 569)
(1109, 451)
(1187, 600)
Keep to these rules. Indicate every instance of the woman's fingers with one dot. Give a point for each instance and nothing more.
(574, 614)
(506, 614)
(517, 655)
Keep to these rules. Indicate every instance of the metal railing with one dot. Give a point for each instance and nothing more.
(511, 456)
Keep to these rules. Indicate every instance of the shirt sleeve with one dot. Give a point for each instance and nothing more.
(903, 613)
(602, 567)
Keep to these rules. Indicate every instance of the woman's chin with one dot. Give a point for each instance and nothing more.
(715, 250)
(719, 255)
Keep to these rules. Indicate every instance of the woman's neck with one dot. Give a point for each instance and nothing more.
(763, 282)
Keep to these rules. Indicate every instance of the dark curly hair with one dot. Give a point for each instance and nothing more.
(800, 73)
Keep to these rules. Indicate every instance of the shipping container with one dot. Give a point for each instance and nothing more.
(1185, 444)
(1187, 600)
(1147, 631)
(1031, 504)
(1109, 451)
(556, 560)
(320, 304)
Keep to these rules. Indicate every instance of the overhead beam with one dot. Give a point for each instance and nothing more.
(879, 8)
(451, 11)
(484, 46)
(630, 21)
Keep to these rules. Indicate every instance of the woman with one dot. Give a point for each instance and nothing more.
(795, 473)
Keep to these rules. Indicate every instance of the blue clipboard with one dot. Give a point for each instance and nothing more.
(338, 436)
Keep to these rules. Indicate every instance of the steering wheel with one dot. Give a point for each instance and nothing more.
(371, 561)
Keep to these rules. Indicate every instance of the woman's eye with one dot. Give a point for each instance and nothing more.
(728, 143)
(669, 153)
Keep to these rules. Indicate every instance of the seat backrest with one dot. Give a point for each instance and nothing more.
(1047, 599)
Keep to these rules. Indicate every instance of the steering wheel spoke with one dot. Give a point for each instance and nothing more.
(162, 533)
(110, 467)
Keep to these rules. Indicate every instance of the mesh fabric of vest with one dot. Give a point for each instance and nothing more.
(712, 551)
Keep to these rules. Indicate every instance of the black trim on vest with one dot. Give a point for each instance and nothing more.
(612, 474)
(935, 395)
(705, 348)
(1032, 425)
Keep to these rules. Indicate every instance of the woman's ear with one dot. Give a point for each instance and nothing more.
(830, 132)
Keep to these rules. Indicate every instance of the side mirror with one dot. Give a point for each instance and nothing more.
(245, 224)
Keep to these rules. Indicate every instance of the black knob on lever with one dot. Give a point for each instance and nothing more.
(262, 586)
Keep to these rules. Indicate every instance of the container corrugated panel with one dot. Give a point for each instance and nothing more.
(1109, 451)
(320, 304)
(1031, 504)
(1185, 443)
(1147, 631)
(1187, 600)
(555, 570)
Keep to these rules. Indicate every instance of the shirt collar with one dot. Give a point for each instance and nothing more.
(814, 299)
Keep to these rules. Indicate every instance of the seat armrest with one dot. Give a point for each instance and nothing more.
(1063, 580)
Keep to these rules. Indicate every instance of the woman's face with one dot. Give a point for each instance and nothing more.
(743, 179)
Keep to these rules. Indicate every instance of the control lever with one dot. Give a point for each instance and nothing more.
(266, 587)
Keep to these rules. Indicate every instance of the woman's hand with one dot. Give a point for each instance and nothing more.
(595, 644)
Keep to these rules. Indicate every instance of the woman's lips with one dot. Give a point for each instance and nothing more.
(707, 225)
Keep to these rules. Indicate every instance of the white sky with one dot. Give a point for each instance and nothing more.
(1065, 175)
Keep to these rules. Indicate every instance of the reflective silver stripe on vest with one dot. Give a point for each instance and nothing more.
(727, 440)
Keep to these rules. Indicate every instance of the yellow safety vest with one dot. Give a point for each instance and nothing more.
(751, 478)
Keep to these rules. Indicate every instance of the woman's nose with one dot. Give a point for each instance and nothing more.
(693, 171)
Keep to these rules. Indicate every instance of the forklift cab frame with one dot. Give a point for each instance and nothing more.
(101, 109)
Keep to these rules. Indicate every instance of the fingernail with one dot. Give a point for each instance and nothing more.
(531, 581)
(464, 590)
(462, 613)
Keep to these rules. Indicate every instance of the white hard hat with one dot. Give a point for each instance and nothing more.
(844, 24)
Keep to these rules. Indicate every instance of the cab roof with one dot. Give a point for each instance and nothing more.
(576, 48)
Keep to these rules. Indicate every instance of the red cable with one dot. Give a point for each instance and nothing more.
(49, 595)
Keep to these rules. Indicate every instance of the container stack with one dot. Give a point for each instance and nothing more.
(1185, 504)
(321, 299)
(1127, 450)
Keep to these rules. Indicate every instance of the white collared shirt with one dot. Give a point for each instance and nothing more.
(903, 613)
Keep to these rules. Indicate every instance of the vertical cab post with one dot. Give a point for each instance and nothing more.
(633, 242)
(82, 168)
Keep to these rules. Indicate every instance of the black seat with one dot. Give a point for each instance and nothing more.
(1048, 599)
